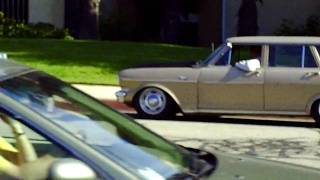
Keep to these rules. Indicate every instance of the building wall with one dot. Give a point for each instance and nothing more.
(106, 7)
(47, 11)
(272, 13)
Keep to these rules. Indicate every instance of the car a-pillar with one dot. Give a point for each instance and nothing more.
(154, 103)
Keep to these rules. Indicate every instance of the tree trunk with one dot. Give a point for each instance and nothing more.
(89, 19)
(171, 20)
(248, 18)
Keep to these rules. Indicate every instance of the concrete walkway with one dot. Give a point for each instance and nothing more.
(99, 91)
(106, 94)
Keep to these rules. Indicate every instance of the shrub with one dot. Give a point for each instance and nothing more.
(310, 28)
(10, 28)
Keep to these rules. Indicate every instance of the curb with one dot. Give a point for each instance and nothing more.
(105, 94)
(99, 91)
(118, 106)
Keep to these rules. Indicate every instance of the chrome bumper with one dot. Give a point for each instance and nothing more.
(121, 95)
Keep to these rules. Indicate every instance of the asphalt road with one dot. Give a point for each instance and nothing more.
(291, 139)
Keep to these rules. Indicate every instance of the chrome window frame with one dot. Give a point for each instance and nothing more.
(217, 57)
(303, 56)
(315, 53)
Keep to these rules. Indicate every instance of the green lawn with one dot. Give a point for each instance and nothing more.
(94, 62)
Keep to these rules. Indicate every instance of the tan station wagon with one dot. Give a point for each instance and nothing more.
(245, 75)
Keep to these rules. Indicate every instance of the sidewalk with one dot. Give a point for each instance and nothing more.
(105, 94)
(99, 91)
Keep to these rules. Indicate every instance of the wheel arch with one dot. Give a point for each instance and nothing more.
(311, 102)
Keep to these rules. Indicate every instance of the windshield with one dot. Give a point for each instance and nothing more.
(216, 55)
(105, 130)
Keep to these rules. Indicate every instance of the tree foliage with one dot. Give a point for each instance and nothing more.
(310, 28)
(10, 28)
(89, 19)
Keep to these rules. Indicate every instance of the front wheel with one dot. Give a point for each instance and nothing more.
(154, 103)
(315, 112)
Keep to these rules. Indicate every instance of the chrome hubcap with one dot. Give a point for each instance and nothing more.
(152, 101)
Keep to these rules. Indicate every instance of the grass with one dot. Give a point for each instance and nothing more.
(93, 62)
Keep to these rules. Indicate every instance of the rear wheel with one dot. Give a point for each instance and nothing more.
(154, 103)
(315, 112)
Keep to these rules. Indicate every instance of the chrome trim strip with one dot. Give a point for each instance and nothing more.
(315, 54)
(303, 56)
(245, 112)
(230, 53)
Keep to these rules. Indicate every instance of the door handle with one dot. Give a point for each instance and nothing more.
(256, 73)
(310, 74)
(183, 78)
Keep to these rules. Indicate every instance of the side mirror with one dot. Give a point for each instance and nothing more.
(67, 169)
(250, 65)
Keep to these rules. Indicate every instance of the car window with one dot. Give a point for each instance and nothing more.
(25, 149)
(101, 128)
(285, 56)
(240, 53)
(224, 60)
(309, 61)
(216, 56)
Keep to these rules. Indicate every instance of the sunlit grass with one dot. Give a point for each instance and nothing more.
(95, 62)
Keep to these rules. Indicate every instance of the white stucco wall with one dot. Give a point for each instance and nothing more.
(271, 14)
(48, 11)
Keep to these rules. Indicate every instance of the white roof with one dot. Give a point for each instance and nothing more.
(288, 40)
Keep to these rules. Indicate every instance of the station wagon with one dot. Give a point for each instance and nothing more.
(245, 75)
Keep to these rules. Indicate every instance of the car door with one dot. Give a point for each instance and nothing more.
(222, 86)
(292, 78)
